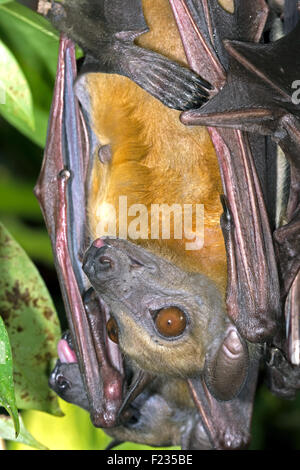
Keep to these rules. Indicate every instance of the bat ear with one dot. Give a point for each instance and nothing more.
(226, 370)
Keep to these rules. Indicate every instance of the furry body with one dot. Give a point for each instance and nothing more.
(155, 158)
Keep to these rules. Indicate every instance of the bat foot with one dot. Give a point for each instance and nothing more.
(175, 86)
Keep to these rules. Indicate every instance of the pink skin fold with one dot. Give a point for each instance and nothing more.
(99, 243)
(65, 353)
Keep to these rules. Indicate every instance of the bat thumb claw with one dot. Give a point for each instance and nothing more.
(43, 7)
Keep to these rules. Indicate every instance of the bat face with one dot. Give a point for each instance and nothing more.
(66, 381)
(164, 315)
(151, 417)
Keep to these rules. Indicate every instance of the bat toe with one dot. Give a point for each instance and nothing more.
(175, 86)
(187, 92)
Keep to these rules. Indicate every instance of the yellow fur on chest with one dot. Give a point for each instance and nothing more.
(155, 159)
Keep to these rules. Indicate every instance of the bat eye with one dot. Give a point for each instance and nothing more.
(112, 330)
(170, 322)
(105, 261)
(62, 383)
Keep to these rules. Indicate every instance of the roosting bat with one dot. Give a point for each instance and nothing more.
(161, 358)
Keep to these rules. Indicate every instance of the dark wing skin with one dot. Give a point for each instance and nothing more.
(254, 307)
(106, 30)
(60, 191)
(228, 424)
(204, 25)
(253, 295)
(259, 97)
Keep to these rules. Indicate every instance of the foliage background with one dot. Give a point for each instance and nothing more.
(276, 423)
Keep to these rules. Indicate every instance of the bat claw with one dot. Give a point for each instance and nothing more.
(175, 86)
(44, 6)
(227, 217)
(190, 117)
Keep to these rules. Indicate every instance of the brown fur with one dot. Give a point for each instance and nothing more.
(156, 159)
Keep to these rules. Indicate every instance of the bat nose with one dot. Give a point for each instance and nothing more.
(99, 243)
(105, 262)
(100, 261)
(88, 260)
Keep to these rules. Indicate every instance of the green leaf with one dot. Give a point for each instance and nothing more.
(5, 1)
(32, 326)
(74, 431)
(7, 432)
(7, 394)
(34, 241)
(17, 197)
(34, 44)
(15, 94)
(32, 19)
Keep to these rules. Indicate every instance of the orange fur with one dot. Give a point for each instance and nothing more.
(155, 158)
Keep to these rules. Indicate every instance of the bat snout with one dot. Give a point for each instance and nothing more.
(101, 263)
(109, 260)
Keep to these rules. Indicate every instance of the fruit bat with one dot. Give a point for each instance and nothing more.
(156, 345)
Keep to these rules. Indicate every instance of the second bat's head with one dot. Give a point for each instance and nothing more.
(150, 418)
(164, 316)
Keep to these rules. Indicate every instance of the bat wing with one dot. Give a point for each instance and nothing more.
(245, 219)
(205, 24)
(228, 424)
(258, 91)
(61, 191)
(258, 97)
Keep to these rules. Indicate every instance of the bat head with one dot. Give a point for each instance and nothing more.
(163, 315)
(149, 419)
(66, 379)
